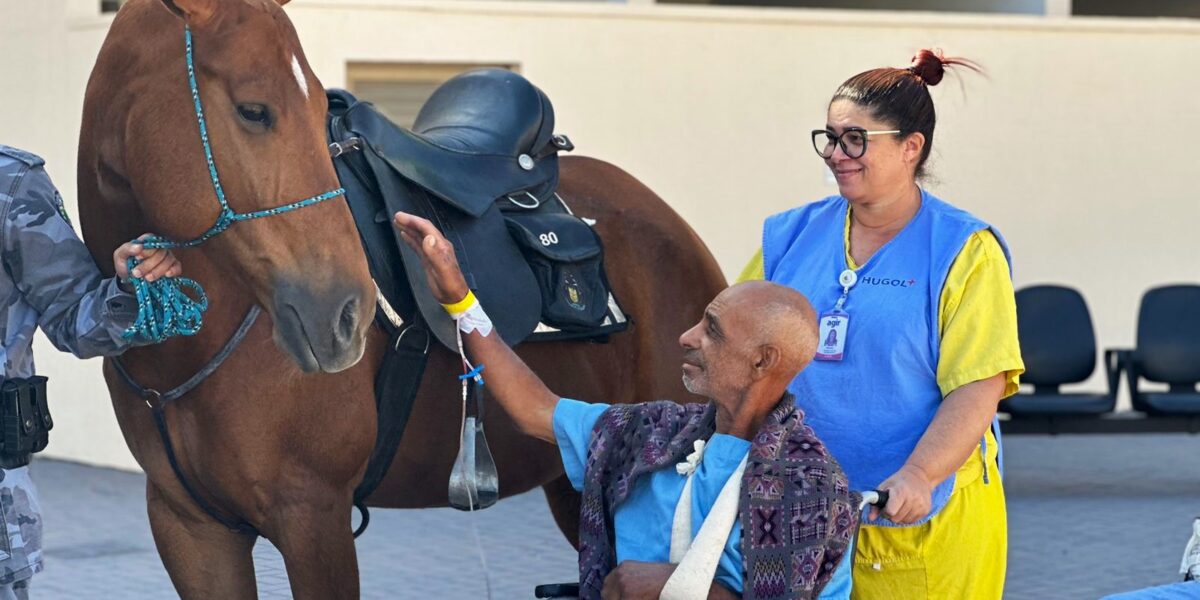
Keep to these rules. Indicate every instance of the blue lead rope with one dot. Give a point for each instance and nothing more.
(164, 310)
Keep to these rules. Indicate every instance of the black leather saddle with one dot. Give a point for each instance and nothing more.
(482, 135)
(482, 155)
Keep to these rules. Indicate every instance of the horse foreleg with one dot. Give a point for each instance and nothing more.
(204, 558)
(315, 539)
(564, 505)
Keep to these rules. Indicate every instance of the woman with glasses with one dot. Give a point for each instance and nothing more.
(919, 341)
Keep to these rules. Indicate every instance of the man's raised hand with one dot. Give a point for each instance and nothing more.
(522, 395)
(437, 254)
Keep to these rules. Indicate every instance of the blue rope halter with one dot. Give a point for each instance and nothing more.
(164, 310)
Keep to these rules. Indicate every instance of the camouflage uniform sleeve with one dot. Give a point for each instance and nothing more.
(79, 311)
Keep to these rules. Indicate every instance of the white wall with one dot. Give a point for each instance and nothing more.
(1078, 145)
(1028, 7)
(48, 48)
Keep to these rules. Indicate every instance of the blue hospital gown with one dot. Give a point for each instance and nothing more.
(643, 522)
(1189, 590)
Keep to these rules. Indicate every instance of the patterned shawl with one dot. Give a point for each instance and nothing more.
(797, 512)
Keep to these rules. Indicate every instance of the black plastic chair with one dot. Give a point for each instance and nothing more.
(1168, 351)
(1058, 346)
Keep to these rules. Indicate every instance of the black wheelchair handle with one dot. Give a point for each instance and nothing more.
(557, 590)
(876, 498)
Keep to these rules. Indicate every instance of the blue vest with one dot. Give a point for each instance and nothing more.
(872, 407)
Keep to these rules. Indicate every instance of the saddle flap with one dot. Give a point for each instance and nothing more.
(557, 236)
(493, 265)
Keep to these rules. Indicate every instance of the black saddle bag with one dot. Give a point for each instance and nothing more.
(25, 421)
(567, 259)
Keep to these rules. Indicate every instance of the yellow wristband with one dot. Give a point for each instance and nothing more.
(461, 306)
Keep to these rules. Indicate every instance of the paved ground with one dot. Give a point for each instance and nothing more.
(1088, 516)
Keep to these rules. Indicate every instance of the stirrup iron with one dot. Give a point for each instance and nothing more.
(474, 482)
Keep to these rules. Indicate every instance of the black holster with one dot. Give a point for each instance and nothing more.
(25, 421)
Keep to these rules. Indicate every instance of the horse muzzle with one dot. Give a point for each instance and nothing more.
(321, 330)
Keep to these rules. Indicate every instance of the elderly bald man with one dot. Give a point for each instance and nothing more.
(729, 499)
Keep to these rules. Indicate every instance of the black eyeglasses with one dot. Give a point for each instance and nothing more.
(853, 141)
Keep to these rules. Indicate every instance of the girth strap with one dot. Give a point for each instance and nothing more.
(396, 386)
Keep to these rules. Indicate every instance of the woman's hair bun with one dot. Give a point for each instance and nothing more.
(929, 65)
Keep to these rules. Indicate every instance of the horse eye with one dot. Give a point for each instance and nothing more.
(254, 113)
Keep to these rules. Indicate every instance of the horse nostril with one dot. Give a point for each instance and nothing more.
(323, 329)
(348, 320)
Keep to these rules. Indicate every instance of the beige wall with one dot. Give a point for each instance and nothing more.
(1078, 145)
(1028, 7)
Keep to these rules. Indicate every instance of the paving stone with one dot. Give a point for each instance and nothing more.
(1088, 516)
(1095, 515)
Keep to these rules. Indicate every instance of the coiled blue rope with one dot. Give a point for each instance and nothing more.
(164, 309)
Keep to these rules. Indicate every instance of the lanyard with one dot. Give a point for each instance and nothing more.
(847, 280)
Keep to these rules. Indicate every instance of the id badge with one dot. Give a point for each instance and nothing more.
(831, 344)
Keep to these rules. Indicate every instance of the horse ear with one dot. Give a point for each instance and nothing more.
(282, 2)
(192, 11)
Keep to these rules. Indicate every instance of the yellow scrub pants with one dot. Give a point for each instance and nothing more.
(960, 554)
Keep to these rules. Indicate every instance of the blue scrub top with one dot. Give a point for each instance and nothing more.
(643, 522)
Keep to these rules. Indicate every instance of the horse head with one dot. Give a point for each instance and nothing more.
(265, 113)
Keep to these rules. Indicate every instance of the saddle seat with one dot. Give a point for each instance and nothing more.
(483, 135)
(488, 111)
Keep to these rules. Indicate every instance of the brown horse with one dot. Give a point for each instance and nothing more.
(280, 435)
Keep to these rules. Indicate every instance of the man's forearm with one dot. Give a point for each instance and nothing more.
(90, 324)
(637, 580)
(510, 381)
(720, 592)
